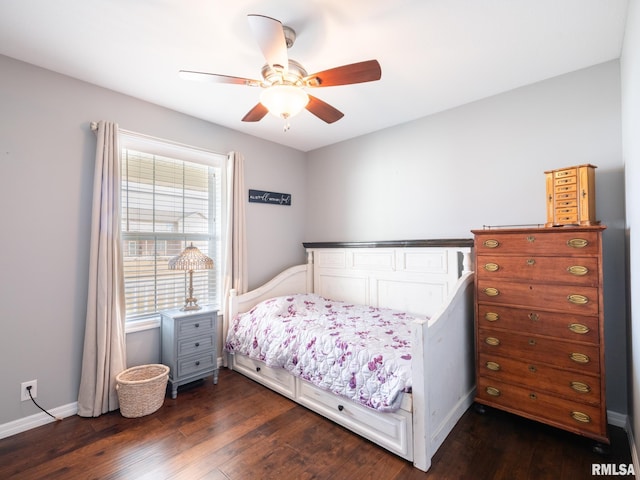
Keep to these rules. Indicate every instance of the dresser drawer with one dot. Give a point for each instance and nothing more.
(539, 242)
(196, 363)
(578, 328)
(193, 345)
(574, 386)
(188, 327)
(530, 268)
(567, 298)
(530, 348)
(578, 417)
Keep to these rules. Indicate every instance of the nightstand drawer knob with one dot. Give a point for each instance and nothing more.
(197, 362)
(197, 325)
(197, 344)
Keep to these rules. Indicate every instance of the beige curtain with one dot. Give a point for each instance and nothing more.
(104, 341)
(235, 264)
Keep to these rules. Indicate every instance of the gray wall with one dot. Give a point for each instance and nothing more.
(483, 163)
(439, 176)
(46, 174)
(630, 68)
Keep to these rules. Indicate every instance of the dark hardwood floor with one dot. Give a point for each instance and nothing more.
(240, 430)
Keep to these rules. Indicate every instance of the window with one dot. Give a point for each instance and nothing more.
(171, 196)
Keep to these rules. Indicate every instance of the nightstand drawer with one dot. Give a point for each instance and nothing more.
(196, 363)
(190, 346)
(200, 325)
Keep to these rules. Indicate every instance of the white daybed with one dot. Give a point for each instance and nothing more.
(429, 278)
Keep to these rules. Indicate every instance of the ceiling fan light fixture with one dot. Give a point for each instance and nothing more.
(284, 101)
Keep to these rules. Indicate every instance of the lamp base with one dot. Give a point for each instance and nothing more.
(190, 303)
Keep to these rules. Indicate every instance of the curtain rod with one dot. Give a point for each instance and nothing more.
(94, 129)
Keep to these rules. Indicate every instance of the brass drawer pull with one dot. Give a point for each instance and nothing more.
(534, 317)
(579, 328)
(531, 238)
(493, 341)
(579, 357)
(491, 267)
(491, 292)
(577, 243)
(491, 243)
(491, 316)
(580, 387)
(580, 417)
(493, 366)
(493, 391)
(577, 270)
(531, 261)
(577, 299)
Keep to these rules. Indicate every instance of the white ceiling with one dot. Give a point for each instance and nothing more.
(435, 54)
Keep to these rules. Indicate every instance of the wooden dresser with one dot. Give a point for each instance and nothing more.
(540, 325)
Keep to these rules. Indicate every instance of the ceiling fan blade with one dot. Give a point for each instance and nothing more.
(270, 37)
(216, 78)
(323, 110)
(360, 72)
(256, 114)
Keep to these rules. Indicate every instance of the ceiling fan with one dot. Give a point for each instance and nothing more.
(284, 80)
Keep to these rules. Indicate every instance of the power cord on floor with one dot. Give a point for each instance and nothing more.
(59, 419)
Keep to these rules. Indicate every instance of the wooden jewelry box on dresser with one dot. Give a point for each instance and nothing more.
(540, 326)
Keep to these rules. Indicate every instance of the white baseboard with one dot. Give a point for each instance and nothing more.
(37, 420)
(617, 419)
(632, 446)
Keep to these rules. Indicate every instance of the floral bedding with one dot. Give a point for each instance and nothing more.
(360, 352)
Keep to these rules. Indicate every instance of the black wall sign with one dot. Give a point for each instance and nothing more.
(273, 198)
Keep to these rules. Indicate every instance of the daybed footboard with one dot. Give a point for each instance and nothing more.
(425, 278)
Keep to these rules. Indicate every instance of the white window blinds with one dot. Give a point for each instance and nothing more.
(167, 203)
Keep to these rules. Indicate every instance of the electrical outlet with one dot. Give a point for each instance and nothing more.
(24, 392)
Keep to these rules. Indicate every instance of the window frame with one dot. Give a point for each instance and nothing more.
(166, 148)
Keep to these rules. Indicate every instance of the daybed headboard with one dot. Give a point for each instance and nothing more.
(413, 276)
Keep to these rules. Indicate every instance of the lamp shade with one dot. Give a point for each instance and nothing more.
(284, 101)
(191, 258)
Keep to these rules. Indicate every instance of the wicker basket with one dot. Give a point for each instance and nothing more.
(141, 390)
